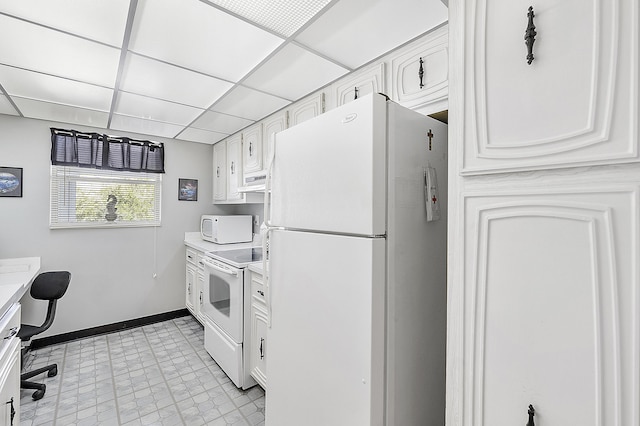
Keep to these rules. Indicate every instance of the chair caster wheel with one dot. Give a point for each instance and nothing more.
(38, 394)
(53, 372)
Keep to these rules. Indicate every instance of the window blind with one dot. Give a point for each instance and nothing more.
(87, 197)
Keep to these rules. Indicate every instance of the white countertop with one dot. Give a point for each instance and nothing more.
(15, 277)
(193, 240)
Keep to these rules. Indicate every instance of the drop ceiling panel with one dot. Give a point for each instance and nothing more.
(155, 109)
(198, 36)
(6, 107)
(48, 51)
(221, 123)
(355, 32)
(144, 127)
(61, 113)
(149, 77)
(98, 20)
(28, 84)
(283, 16)
(202, 136)
(248, 103)
(294, 72)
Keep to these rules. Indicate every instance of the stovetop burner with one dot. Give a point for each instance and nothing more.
(238, 257)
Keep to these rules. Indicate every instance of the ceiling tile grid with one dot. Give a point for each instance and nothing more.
(195, 70)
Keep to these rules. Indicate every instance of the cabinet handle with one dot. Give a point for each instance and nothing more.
(421, 72)
(530, 35)
(250, 149)
(355, 89)
(12, 332)
(261, 293)
(218, 172)
(233, 166)
(261, 351)
(13, 410)
(531, 412)
(200, 298)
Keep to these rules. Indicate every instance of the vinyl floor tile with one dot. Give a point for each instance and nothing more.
(157, 374)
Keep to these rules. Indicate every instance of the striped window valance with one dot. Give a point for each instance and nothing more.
(80, 149)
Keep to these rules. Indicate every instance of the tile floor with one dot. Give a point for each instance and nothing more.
(158, 374)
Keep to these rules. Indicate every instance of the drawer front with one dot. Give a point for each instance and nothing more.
(9, 326)
(257, 288)
(192, 256)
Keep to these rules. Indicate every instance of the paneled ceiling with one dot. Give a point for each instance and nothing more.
(192, 70)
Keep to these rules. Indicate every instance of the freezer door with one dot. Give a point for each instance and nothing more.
(329, 173)
(326, 342)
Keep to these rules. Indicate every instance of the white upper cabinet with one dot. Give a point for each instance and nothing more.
(370, 80)
(220, 171)
(234, 167)
(419, 73)
(272, 125)
(252, 149)
(306, 109)
(573, 105)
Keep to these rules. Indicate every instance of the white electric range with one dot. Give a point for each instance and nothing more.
(226, 311)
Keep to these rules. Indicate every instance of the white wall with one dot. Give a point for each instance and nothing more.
(112, 269)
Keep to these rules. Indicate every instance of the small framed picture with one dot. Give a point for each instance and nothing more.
(187, 189)
(10, 182)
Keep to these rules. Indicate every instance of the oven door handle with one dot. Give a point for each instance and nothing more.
(219, 268)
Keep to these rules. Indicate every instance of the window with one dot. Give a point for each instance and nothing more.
(88, 197)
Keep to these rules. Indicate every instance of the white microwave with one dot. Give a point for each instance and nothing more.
(226, 229)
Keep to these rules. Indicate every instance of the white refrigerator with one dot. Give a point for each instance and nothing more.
(356, 269)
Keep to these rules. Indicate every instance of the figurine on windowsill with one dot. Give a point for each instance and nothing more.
(111, 208)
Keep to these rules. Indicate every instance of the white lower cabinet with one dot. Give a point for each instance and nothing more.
(10, 385)
(259, 318)
(194, 282)
(10, 367)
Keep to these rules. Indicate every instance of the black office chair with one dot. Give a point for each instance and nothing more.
(49, 286)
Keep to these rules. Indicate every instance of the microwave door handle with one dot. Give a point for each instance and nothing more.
(218, 268)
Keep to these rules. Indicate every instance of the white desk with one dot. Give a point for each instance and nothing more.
(16, 275)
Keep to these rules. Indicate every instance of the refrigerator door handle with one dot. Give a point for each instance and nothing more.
(265, 271)
(267, 185)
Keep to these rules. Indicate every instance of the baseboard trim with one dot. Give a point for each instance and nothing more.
(107, 329)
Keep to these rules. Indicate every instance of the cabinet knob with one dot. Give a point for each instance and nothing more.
(530, 35)
(421, 72)
(531, 412)
(12, 410)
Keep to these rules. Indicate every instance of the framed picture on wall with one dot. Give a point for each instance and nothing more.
(10, 182)
(187, 189)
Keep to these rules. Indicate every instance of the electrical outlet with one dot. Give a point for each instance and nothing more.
(256, 220)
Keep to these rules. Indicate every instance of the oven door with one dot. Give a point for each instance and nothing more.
(223, 294)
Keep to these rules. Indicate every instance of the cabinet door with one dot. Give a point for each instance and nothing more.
(360, 84)
(271, 126)
(306, 109)
(220, 171)
(575, 104)
(550, 307)
(259, 344)
(191, 289)
(419, 73)
(252, 149)
(199, 293)
(10, 385)
(234, 167)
